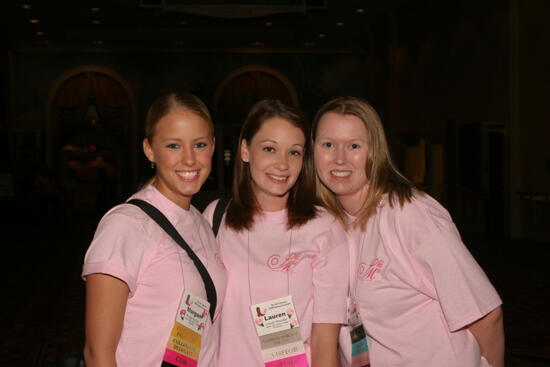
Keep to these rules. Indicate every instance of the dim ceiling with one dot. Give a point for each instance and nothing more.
(353, 25)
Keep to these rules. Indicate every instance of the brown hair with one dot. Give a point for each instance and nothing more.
(167, 102)
(383, 176)
(243, 205)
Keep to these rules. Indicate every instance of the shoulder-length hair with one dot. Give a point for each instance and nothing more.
(382, 174)
(244, 206)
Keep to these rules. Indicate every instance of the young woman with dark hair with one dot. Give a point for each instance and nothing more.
(422, 298)
(139, 282)
(286, 259)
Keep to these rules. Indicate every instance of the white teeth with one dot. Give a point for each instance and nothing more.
(340, 173)
(188, 174)
(278, 178)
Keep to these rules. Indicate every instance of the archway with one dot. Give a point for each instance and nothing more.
(91, 135)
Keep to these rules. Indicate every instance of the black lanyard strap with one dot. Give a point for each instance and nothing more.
(165, 224)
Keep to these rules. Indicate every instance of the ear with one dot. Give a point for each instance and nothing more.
(148, 150)
(245, 154)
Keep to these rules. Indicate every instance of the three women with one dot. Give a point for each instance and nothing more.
(422, 298)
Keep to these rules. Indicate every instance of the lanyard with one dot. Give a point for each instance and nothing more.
(356, 275)
(248, 265)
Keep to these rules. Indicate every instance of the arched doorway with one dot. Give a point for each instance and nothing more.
(233, 98)
(91, 116)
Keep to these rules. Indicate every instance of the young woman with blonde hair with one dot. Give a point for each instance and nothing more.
(147, 300)
(421, 297)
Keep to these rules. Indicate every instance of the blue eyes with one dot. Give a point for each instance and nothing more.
(328, 144)
(196, 145)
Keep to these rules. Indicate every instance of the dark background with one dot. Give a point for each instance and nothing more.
(461, 85)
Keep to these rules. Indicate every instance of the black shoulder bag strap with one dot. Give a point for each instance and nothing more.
(218, 214)
(165, 224)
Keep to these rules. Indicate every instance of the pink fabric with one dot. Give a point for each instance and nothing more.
(132, 247)
(318, 275)
(418, 287)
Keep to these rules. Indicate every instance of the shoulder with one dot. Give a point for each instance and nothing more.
(325, 225)
(420, 220)
(208, 212)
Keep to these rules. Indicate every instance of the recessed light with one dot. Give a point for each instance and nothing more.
(268, 24)
(95, 21)
(33, 21)
(322, 35)
(95, 9)
(259, 43)
(339, 24)
(39, 33)
(360, 10)
(26, 6)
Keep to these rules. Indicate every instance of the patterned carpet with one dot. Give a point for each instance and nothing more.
(42, 308)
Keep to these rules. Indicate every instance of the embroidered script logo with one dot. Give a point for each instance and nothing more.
(283, 263)
(367, 273)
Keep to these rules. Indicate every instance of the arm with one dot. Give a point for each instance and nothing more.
(324, 341)
(106, 298)
(489, 333)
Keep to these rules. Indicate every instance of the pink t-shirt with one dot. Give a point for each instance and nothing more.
(310, 263)
(130, 246)
(418, 287)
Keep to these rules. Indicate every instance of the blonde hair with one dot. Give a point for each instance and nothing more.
(382, 175)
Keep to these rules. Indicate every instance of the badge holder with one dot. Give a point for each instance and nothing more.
(184, 344)
(359, 345)
(278, 329)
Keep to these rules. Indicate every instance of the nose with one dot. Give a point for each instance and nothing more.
(282, 161)
(340, 155)
(188, 156)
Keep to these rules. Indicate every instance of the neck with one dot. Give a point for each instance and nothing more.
(354, 202)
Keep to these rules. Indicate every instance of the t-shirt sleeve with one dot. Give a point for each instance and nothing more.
(208, 212)
(452, 275)
(119, 248)
(331, 277)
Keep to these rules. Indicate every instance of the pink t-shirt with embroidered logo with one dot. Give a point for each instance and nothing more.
(418, 287)
(310, 263)
(130, 246)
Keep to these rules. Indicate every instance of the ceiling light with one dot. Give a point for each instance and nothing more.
(39, 33)
(322, 35)
(25, 6)
(268, 24)
(360, 10)
(95, 9)
(95, 21)
(259, 43)
(33, 21)
(339, 24)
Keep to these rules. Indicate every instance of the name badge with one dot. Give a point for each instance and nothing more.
(278, 329)
(359, 346)
(184, 344)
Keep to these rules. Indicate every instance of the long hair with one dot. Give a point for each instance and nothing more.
(382, 174)
(244, 206)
